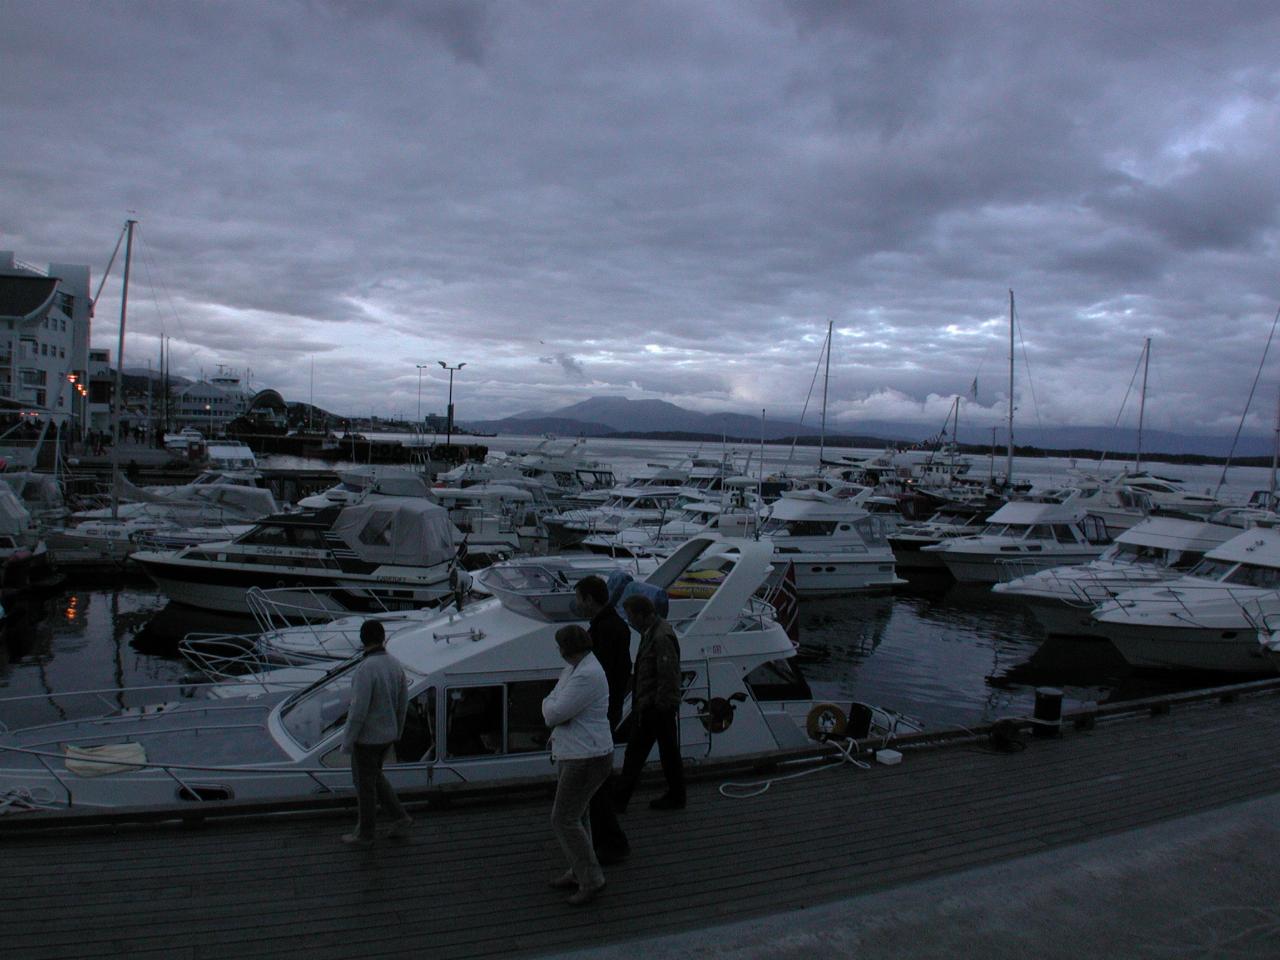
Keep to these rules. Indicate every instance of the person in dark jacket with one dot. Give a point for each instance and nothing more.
(655, 704)
(611, 645)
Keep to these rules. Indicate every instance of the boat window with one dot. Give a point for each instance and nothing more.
(308, 537)
(1252, 575)
(1186, 560)
(418, 742)
(1211, 569)
(778, 680)
(526, 731)
(1039, 531)
(266, 536)
(319, 711)
(800, 528)
(1063, 533)
(474, 721)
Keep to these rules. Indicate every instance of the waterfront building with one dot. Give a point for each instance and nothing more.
(45, 315)
(211, 404)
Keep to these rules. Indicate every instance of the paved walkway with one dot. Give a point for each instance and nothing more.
(960, 851)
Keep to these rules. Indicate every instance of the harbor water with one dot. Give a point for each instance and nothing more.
(950, 655)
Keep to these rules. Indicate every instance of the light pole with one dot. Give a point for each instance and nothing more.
(208, 408)
(421, 367)
(448, 435)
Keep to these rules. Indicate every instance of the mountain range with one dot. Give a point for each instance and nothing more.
(604, 416)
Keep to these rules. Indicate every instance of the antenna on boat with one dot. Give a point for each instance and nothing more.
(1142, 404)
(1008, 464)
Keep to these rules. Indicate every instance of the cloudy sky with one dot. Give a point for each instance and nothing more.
(668, 200)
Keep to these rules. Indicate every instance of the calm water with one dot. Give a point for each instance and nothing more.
(947, 654)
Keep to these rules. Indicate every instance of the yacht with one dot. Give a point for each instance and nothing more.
(380, 554)
(477, 678)
(1023, 537)
(564, 468)
(359, 483)
(1156, 550)
(1206, 619)
(499, 520)
(951, 521)
(627, 507)
(836, 545)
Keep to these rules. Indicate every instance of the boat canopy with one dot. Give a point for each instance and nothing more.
(1172, 533)
(14, 518)
(404, 532)
(1259, 546)
(1028, 513)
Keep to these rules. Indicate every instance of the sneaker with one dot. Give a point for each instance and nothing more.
(400, 829)
(667, 802)
(566, 881)
(355, 840)
(584, 895)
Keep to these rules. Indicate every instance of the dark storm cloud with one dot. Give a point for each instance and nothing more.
(699, 187)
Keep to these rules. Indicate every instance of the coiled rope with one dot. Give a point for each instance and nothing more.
(848, 749)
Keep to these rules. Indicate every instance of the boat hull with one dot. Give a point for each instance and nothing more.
(1210, 649)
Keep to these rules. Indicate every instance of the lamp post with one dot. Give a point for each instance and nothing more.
(448, 435)
(421, 367)
(208, 408)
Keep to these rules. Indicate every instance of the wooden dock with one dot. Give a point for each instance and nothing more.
(472, 880)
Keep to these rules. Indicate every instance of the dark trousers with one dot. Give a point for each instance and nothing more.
(652, 726)
(372, 787)
(606, 832)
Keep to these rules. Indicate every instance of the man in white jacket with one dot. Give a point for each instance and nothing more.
(577, 711)
(375, 720)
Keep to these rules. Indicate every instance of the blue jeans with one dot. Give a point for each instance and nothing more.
(577, 784)
(372, 787)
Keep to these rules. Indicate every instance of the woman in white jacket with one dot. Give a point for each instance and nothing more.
(577, 711)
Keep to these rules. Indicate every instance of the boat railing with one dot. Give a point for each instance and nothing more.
(228, 656)
(188, 789)
(280, 607)
(1265, 601)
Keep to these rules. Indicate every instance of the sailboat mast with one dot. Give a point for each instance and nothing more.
(1142, 403)
(826, 381)
(1275, 456)
(1008, 464)
(118, 396)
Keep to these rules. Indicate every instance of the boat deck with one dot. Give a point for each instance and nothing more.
(472, 880)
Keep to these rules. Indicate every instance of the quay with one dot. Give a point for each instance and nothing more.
(1150, 830)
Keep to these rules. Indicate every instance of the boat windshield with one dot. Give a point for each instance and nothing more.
(318, 711)
(1211, 569)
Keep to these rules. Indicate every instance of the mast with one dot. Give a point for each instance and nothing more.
(826, 381)
(1008, 464)
(118, 396)
(1142, 403)
(1275, 456)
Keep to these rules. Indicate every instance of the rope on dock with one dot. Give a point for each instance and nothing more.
(848, 750)
(24, 800)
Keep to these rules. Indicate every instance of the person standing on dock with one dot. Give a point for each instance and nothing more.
(375, 720)
(611, 645)
(577, 711)
(655, 706)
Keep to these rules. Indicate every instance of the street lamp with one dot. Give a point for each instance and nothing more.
(421, 367)
(448, 436)
(208, 408)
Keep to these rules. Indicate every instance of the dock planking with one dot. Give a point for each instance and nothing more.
(472, 880)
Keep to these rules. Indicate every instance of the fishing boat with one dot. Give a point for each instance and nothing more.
(477, 677)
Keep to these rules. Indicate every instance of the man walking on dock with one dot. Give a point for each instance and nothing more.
(611, 644)
(655, 705)
(375, 720)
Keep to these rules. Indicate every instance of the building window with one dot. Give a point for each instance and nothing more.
(62, 353)
(44, 349)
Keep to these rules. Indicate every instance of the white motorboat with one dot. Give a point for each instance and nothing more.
(477, 678)
(627, 507)
(1158, 549)
(1207, 619)
(381, 554)
(499, 520)
(564, 468)
(955, 520)
(359, 483)
(836, 545)
(1023, 537)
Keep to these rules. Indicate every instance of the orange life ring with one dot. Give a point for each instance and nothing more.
(825, 720)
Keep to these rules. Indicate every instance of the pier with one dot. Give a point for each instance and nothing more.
(471, 881)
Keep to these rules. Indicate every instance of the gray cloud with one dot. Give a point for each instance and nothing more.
(699, 187)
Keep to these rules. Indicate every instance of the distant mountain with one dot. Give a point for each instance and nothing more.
(601, 416)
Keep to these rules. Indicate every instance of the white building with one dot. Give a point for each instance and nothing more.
(210, 404)
(44, 340)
